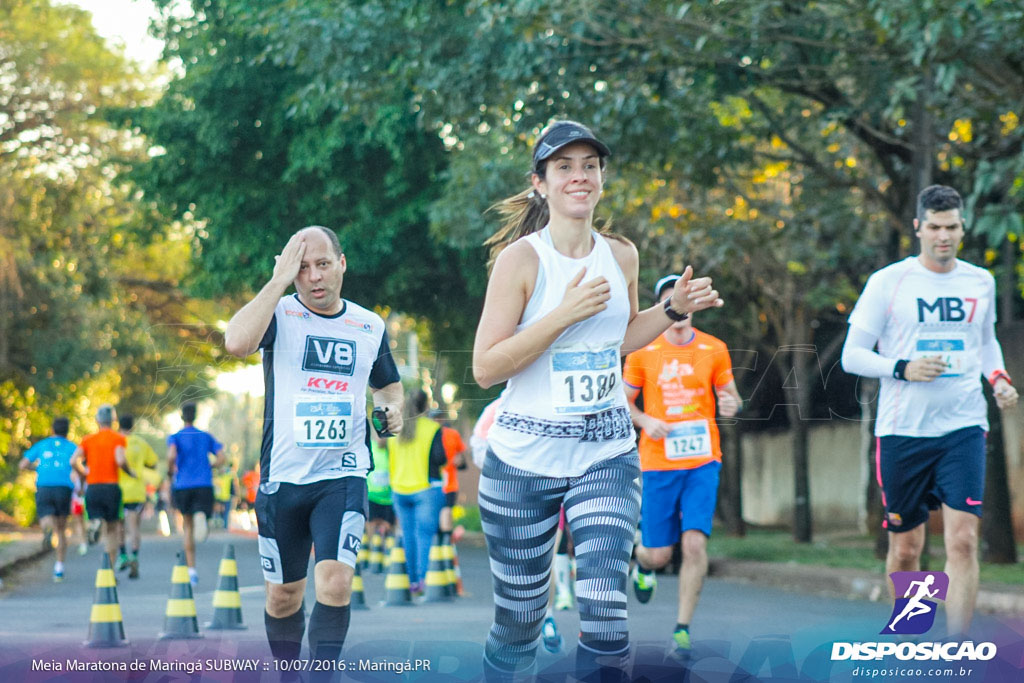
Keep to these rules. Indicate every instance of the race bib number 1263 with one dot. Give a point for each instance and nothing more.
(323, 424)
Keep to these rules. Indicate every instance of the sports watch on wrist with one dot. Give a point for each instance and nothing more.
(670, 312)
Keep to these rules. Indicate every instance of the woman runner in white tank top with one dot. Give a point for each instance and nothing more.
(561, 309)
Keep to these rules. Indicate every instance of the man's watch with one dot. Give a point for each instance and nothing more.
(899, 370)
(670, 312)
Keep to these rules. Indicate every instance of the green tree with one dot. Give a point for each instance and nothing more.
(778, 144)
(82, 319)
(372, 180)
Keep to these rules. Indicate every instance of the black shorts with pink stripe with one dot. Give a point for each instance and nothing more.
(918, 474)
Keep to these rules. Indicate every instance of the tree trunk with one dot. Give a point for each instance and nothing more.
(801, 474)
(997, 542)
(922, 162)
(798, 388)
(1008, 287)
(730, 493)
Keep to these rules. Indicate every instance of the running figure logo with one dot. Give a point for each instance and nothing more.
(914, 613)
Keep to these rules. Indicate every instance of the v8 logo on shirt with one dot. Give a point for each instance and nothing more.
(323, 354)
(353, 543)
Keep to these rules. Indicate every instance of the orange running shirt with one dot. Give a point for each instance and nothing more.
(678, 384)
(453, 445)
(99, 450)
(251, 481)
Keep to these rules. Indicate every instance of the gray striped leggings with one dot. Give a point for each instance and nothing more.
(519, 512)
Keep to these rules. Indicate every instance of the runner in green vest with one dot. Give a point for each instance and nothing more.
(378, 488)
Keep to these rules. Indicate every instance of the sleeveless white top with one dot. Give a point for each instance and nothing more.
(567, 410)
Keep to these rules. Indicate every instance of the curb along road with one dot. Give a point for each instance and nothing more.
(25, 547)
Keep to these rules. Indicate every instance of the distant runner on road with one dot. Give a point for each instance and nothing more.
(98, 459)
(188, 465)
(141, 459)
(51, 459)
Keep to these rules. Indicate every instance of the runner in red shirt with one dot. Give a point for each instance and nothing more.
(97, 460)
(454, 448)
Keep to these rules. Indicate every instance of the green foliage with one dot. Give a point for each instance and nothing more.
(846, 551)
(372, 179)
(471, 520)
(17, 499)
(89, 309)
(777, 145)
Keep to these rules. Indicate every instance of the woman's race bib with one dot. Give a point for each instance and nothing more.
(585, 380)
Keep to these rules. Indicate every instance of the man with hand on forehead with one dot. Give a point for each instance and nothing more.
(321, 354)
(932, 317)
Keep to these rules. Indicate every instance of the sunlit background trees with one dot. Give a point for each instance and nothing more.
(777, 145)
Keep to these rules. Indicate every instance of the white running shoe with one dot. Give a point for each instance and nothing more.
(165, 524)
(202, 529)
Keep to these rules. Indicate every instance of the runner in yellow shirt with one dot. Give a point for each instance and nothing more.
(142, 460)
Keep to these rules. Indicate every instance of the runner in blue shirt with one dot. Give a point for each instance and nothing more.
(188, 462)
(51, 459)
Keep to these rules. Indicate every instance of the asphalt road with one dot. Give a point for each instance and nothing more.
(767, 633)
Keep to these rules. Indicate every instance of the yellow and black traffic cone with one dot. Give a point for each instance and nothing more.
(448, 560)
(105, 626)
(396, 583)
(453, 561)
(437, 578)
(363, 556)
(358, 601)
(180, 620)
(376, 553)
(227, 601)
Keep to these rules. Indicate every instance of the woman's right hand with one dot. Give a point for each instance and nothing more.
(584, 299)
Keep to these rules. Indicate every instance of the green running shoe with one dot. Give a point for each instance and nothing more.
(681, 649)
(122, 562)
(563, 600)
(644, 584)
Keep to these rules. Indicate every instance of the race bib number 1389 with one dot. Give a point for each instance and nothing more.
(584, 381)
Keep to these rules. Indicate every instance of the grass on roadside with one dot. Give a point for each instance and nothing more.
(471, 518)
(851, 551)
